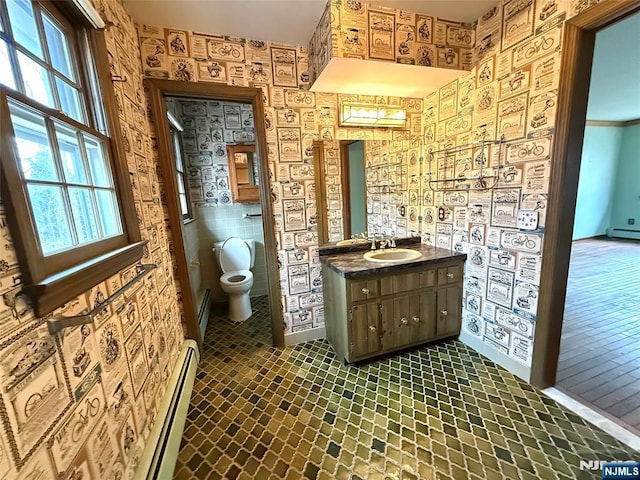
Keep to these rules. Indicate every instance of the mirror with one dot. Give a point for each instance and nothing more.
(369, 186)
(243, 173)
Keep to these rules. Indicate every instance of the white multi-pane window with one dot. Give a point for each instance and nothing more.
(58, 158)
(175, 129)
(182, 191)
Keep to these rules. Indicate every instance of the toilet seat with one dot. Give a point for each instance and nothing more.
(237, 277)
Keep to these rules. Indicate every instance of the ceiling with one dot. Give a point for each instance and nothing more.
(283, 21)
(614, 94)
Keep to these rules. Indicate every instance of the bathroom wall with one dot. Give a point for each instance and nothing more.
(600, 153)
(295, 118)
(209, 127)
(392, 174)
(119, 364)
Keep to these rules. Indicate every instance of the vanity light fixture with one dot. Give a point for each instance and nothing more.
(368, 115)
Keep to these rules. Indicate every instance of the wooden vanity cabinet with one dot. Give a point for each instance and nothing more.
(375, 314)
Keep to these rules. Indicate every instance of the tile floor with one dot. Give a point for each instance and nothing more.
(440, 411)
(600, 348)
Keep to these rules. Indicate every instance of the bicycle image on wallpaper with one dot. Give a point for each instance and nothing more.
(472, 166)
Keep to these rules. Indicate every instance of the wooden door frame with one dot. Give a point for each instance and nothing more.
(575, 74)
(158, 89)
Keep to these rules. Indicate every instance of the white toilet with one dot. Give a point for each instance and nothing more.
(236, 257)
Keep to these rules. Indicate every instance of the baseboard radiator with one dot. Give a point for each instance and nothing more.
(623, 233)
(159, 457)
(203, 313)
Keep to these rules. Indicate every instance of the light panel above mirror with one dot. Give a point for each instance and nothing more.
(370, 77)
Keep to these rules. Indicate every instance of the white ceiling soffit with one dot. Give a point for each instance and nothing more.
(369, 77)
(283, 21)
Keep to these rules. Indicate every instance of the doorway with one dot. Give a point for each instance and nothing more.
(354, 192)
(206, 185)
(577, 55)
(600, 347)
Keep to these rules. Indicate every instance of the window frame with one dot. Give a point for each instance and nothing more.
(50, 281)
(176, 142)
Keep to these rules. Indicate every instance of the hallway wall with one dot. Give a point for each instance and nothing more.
(626, 198)
(596, 186)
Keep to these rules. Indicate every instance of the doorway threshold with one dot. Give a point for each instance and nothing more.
(608, 425)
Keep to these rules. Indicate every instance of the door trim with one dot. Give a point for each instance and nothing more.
(158, 89)
(575, 74)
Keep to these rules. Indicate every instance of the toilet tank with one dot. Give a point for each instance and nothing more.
(252, 249)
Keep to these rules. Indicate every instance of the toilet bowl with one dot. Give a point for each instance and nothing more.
(236, 257)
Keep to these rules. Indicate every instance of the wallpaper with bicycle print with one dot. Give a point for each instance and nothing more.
(295, 118)
(80, 404)
(511, 92)
(355, 29)
(209, 126)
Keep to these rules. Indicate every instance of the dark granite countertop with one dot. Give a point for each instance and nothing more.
(332, 248)
(353, 264)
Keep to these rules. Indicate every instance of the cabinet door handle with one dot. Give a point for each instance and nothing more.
(450, 275)
(404, 321)
(444, 313)
(416, 319)
(372, 328)
(365, 291)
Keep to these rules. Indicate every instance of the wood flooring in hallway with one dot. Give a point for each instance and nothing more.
(600, 348)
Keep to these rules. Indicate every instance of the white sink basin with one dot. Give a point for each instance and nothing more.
(350, 241)
(392, 255)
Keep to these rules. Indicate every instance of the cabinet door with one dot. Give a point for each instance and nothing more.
(425, 323)
(398, 315)
(449, 311)
(365, 334)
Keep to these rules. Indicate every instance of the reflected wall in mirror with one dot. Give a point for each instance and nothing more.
(383, 178)
(243, 173)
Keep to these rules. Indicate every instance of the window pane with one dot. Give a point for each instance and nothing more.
(71, 156)
(180, 182)
(6, 72)
(58, 48)
(36, 81)
(183, 204)
(70, 101)
(51, 217)
(84, 214)
(109, 214)
(97, 162)
(23, 24)
(32, 141)
(177, 151)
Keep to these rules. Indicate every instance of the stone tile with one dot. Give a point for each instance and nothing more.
(439, 411)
